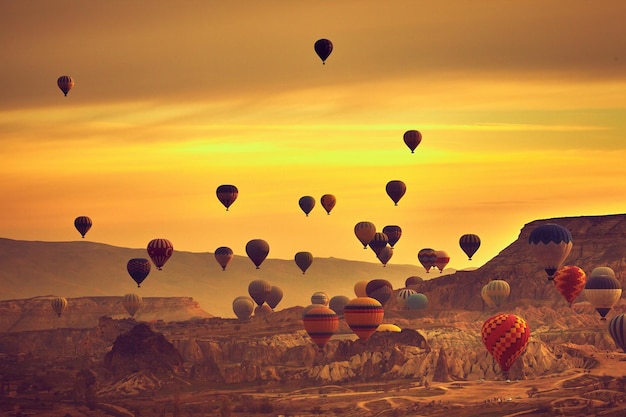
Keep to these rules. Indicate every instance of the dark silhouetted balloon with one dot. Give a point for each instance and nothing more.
(427, 257)
(160, 251)
(320, 323)
(323, 48)
(379, 289)
(223, 255)
(259, 290)
(412, 138)
(303, 260)
(365, 232)
(82, 224)
(257, 250)
(306, 203)
(65, 83)
(393, 234)
(363, 315)
(59, 304)
(550, 244)
(262, 310)
(505, 337)
(274, 297)
(138, 268)
(227, 194)
(413, 281)
(385, 254)
(469, 244)
(243, 307)
(395, 190)
(378, 242)
(131, 303)
(328, 202)
(617, 330)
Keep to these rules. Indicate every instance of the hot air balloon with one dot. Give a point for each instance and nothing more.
(227, 194)
(485, 296)
(274, 297)
(378, 242)
(243, 307)
(365, 232)
(306, 203)
(262, 310)
(617, 330)
(131, 303)
(393, 234)
(363, 315)
(65, 83)
(337, 303)
(320, 297)
(469, 244)
(160, 251)
(505, 337)
(603, 292)
(380, 290)
(395, 190)
(602, 270)
(402, 298)
(442, 260)
(323, 48)
(385, 255)
(303, 260)
(497, 291)
(223, 255)
(427, 258)
(550, 244)
(412, 138)
(320, 323)
(359, 288)
(82, 224)
(59, 304)
(257, 250)
(259, 290)
(417, 301)
(570, 281)
(388, 327)
(413, 281)
(138, 268)
(328, 202)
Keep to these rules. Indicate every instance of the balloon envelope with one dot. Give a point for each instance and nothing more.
(550, 244)
(469, 244)
(359, 288)
(412, 138)
(365, 232)
(497, 291)
(131, 303)
(323, 48)
(319, 297)
(570, 281)
(413, 281)
(243, 307)
(393, 234)
(227, 194)
(395, 190)
(82, 224)
(138, 269)
(402, 298)
(378, 242)
(320, 323)
(59, 304)
(385, 255)
(417, 301)
(617, 330)
(328, 202)
(306, 203)
(160, 251)
(257, 250)
(337, 303)
(223, 255)
(363, 315)
(505, 337)
(259, 290)
(442, 259)
(274, 297)
(303, 260)
(380, 290)
(427, 257)
(65, 83)
(603, 292)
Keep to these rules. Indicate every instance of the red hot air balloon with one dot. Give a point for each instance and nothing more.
(393, 234)
(303, 260)
(223, 255)
(160, 251)
(427, 258)
(306, 203)
(505, 337)
(442, 259)
(570, 281)
(365, 232)
(412, 138)
(395, 190)
(259, 290)
(328, 202)
(65, 83)
(469, 244)
(323, 48)
(257, 250)
(320, 322)
(138, 269)
(82, 224)
(363, 315)
(227, 194)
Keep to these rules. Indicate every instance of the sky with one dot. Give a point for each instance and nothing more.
(521, 106)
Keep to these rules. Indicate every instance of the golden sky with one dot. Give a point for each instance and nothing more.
(521, 106)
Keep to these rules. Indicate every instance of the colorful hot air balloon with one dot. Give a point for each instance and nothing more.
(385, 254)
(603, 292)
(138, 269)
(427, 258)
(65, 83)
(223, 255)
(257, 250)
(82, 224)
(59, 304)
(359, 288)
(417, 301)
(442, 260)
(274, 297)
(402, 298)
(550, 244)
(505, 337)
(259, 290)
(227, 194)
(160, 251)
(363, 315)
(617, 330)
(380, 290)
(378, 242)
(328, 202)
(395, 190)
(243, 307)
(393, 234)
(320, 297)
(570, 281)
(485, 296)
(365, 232)
(131, 303)
(323, 48)
(306, 203)
(469, 244)
(412, 138)
(388, 327)
(320, 323)
(303, 260)
(337, 303)
(497, 291)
